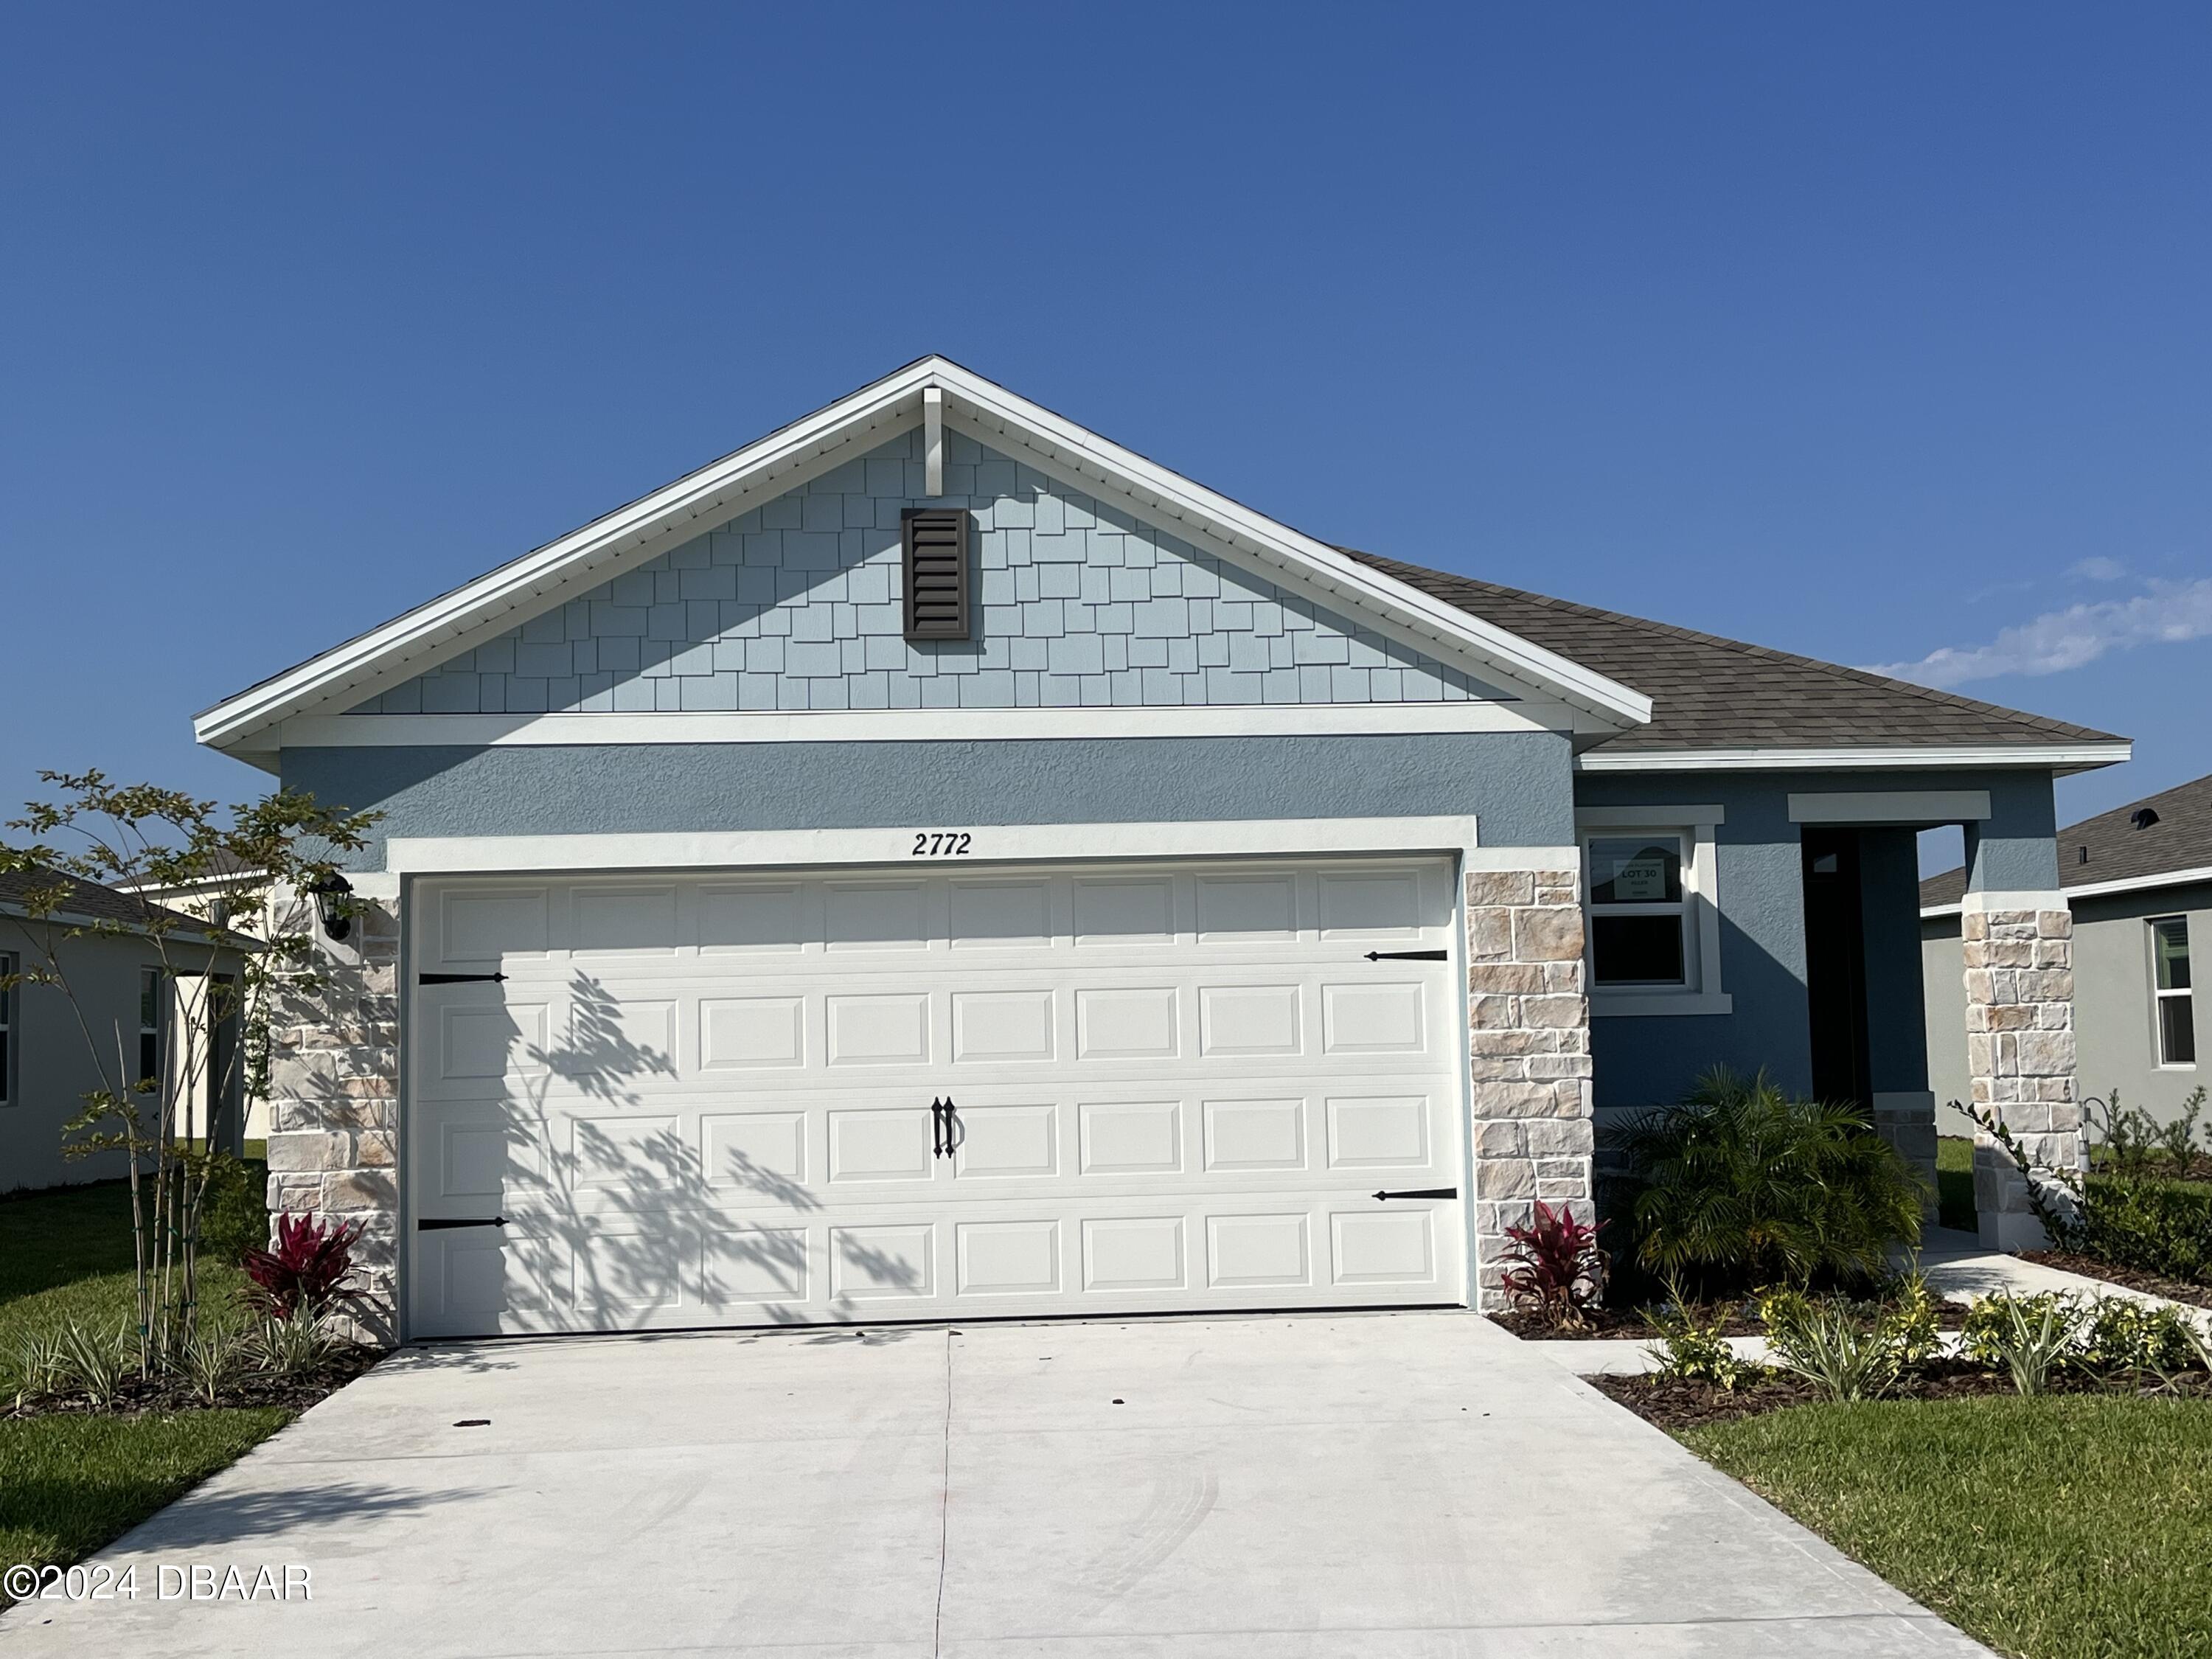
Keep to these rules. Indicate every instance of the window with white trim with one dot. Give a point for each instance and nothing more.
(9, 1003)
(2171, 995)
(1651, 926)
(1639, 912)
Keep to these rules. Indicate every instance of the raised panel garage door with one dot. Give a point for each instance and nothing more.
(716, 1098)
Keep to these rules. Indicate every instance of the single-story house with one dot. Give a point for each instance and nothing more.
(128, 990)
(2138, 880)
(935, 861)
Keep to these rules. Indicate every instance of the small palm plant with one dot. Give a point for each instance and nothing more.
(1743, 1183)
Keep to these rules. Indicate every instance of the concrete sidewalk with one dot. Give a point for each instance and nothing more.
(1321, 1487)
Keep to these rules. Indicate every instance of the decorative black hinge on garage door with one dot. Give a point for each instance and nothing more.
(457, 979)
(439, 1224)
(1423, 1191)
(1409, 956)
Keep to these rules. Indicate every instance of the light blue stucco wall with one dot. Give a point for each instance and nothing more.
(1516, 783)
(795, 605)
(2015, 849)
(1645, 1060)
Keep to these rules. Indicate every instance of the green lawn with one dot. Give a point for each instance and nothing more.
(1954, 1181)
(2063, 1528)
(69, 1485)
(65, 1255)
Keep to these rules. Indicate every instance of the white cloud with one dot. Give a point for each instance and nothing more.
(2098, 570)
(2166, 613)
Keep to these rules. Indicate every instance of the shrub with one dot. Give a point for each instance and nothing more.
(2153, 1226)
(208, 1360)
(234, 1211)
(2028, 1336)
(289, 1344)
(94, 1365)
(2179, 1139)
(1915, 1319)
(1741, 1181)
(35, 1366)
(306, 1270)
(1833, 1346)
(1555, 1267)
(2124, 1334)
(1694, 1350)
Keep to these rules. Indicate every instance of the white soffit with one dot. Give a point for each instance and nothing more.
(2060, 757)
(387, 655)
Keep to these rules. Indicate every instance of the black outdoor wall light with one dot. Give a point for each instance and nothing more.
(332, 909)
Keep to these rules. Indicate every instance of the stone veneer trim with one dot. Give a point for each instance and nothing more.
(334, 1107)
(1530, 1133)
(2018, 956)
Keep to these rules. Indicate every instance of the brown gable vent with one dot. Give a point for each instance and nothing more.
(937, 574)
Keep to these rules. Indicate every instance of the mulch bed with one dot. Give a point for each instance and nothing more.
(163, 1393)
(1618, 1324)
(2174, 1289)
(1676, 1405)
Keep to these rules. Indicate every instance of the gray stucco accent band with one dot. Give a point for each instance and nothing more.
(1516, 783)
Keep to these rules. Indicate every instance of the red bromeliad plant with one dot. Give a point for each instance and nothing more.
(306, 1268)
(1556, 1268)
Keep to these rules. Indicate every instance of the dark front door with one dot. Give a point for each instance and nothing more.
(1835, 966)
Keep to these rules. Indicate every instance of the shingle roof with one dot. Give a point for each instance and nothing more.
(2180, 840)
(1708, 692)
(90, 900)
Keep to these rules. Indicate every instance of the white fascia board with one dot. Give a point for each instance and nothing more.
(589, 556)
(2074, 756)
(2149, 884)
(1025, 843)
(913, 724)
(713, 495)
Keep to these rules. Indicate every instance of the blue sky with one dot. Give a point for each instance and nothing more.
(1880, 335)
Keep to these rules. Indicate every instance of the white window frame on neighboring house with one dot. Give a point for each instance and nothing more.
(11, 1000)
(150, 1024)
(1692, 827)
(2163, 994)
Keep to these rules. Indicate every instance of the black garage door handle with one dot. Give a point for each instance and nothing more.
(1422, 1192)
(444, 1224)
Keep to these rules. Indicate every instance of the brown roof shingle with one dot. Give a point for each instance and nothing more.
(1708, 692)
(2181, 839)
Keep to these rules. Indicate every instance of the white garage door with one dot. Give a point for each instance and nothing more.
(741, 1099)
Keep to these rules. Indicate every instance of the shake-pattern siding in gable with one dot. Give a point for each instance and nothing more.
(795, 605)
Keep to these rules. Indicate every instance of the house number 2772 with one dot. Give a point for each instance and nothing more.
(941, 844)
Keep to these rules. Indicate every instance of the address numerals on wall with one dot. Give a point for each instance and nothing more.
(942, 843)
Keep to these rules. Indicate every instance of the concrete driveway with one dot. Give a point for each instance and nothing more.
(1326, 1486)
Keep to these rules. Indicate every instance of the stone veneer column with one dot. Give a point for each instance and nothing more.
(1528, 1051)
(334, 1103)
(2018, 955)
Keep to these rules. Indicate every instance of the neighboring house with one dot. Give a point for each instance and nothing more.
(124, 999)
(2139, 882)
(935, 861)
(216, 895)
